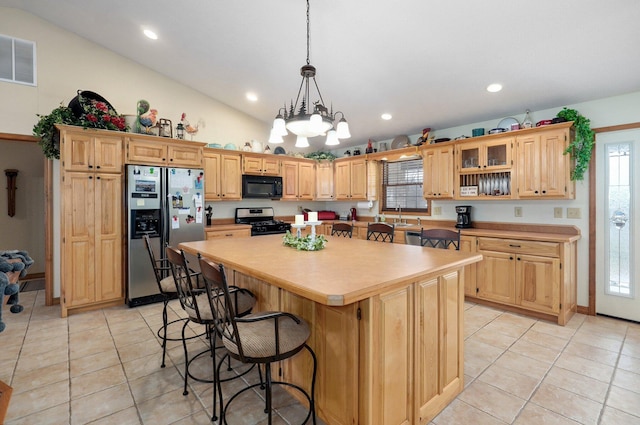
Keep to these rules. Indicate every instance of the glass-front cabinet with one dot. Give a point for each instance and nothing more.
(485, 169)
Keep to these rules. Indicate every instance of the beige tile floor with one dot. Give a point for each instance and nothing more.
(103, 367)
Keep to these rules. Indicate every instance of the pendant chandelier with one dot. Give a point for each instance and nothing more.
(307, 118)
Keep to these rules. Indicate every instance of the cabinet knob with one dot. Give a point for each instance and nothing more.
(97, 166)
(518, 258)
(97, 177)
(544, 191)
(535, 191)
(510, 258)
(90, 177)
(90, 166)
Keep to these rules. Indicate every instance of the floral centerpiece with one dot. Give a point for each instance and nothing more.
(304, 243)
(99, 114)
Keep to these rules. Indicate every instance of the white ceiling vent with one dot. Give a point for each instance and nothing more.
(17, 60)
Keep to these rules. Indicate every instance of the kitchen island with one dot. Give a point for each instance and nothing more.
(386, 320)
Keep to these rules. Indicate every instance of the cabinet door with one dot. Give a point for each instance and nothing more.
(78, 286)
(108, 257)
(496, 154)
(391, 354)
(306, 180)
(251, 164)
(211, 176)
(528, 166)
(538, 283)
(438, 345)
(342, 180)
(324, 181)
(77, 152)
(146, 152)
(359, 179)
(185, 156)
(230, 177)
(271, 166)
(555, 165)
(108, 154)
(438, 172)
(496, 277)
(289, 180)
(468, 244)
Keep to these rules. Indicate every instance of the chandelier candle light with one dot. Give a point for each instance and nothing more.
(310, 121)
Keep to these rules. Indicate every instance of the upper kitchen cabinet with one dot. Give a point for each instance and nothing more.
(484, 169)
(298, 180)
(438, 172)
(222, 173)
(544, 171)
(150, 150)
(324, 181)
(350, 179)
(261, 164)
(90, 150)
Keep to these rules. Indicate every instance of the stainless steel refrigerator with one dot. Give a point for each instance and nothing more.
(168, 205)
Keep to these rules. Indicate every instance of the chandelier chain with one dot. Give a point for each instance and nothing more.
(308, 37)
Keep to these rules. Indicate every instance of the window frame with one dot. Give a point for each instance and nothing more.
(385, 208)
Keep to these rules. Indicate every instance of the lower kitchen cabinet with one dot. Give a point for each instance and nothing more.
(228, 233)
(92, 241)
(536, 277)
(468, 244)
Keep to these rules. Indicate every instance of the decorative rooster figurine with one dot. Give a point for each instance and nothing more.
(147, 118)
(187, 126)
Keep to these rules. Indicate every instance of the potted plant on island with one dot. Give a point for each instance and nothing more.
(582, 145)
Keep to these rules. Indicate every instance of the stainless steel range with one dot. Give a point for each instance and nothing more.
(261, 221)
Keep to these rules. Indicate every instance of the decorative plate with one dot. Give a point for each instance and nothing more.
(507, 122)
(400, 142)
(279, 151)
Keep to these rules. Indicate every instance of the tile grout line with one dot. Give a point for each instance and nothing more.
(613, 375)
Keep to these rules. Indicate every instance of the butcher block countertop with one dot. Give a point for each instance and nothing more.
(344, 272)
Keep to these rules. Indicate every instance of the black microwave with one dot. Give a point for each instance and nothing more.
(266, 187)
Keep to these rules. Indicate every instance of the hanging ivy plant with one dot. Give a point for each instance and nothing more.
(582, 145)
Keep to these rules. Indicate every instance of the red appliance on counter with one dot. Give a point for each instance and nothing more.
(354, 215)
(322, 215)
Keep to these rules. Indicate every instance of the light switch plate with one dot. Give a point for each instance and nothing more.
(574, 213)
(557, 212)
(437, 210)
(517, 211)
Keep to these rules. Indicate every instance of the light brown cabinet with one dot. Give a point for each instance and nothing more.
(438, 175)
(261, 164)
(149, 150)
(92, 241)
(468, 244)
(223, 181)
(227, 233)
(534, 276)
(87, 151)
(350, 179)
(544, 171)
(324, 181)
(298, 180)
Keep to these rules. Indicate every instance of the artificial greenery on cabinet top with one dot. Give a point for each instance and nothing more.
(582, 145)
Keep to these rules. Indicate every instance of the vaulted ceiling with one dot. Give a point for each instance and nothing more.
(427, 63)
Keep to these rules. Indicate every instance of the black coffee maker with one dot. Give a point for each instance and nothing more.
(464, 216)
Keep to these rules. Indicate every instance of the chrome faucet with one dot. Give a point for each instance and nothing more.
(399, 209)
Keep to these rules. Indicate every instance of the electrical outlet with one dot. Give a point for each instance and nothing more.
(557, 212)
(574, 213)
(437, 210)
(517, 211)
(299, 208)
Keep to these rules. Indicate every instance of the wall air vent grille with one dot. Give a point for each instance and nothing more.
(17, 60)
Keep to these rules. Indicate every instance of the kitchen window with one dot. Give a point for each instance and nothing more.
(402, 186)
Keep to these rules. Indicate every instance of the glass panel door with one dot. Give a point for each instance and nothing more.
(617, 213)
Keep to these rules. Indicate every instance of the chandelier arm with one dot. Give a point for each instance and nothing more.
(319, 94)
(295, 106)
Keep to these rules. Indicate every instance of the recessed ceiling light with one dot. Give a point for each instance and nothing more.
(252, 97)
(386, 117)
(150, 34)
(495, 87)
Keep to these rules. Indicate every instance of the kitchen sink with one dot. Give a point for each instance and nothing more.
(404, 225)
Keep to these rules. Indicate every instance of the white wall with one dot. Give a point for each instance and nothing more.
(25, 230)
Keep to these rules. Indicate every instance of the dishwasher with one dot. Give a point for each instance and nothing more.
(412, 238)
